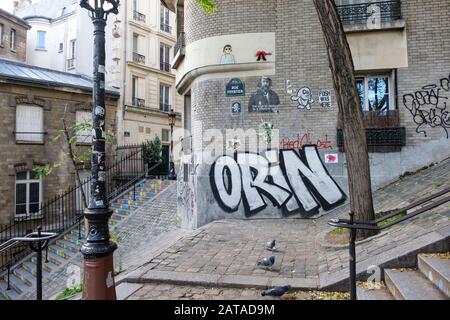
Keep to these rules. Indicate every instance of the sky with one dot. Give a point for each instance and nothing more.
(8, 5)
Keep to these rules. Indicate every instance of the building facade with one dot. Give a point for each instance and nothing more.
(264, 135)
(140, 43)
(33, 103)
(13, 36)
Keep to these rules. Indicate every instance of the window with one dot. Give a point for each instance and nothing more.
(141, 129)
(147, 130)
(165, 20)
(84, 136)
(1, 34)
(41, 39)
(136, 5)
(134, 87)
(135, 43)
(61, 47)
(165, 135)
(29, 124)
(375, 93)
(12, 40)
(164, 97)
(164, 58)
(28, 193)
(73, 45)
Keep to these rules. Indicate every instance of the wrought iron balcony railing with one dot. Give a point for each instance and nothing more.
(71, 63)
(358, 14)
(181, 43)
(138, 58)
(164, 66)
(164, 107)
(166, 28)
(140, 103)
(138, 16)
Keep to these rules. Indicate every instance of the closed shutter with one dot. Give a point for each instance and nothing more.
(29, 124)
(84, 136)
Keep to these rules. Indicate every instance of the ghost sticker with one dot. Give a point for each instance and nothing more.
(304, 98)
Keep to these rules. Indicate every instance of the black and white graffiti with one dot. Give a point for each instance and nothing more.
(429, 106)
(295, 182)
(304, 98)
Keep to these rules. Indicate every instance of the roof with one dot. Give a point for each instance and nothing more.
(24, 73)
(14, 18)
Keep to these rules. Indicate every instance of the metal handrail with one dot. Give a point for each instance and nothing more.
(358, 13)
(373, 225)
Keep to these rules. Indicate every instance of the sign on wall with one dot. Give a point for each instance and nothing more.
(235, 88)
(264, 99)
(236, 108)
(325, 98)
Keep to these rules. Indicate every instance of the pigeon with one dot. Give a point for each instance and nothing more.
(270, 245)
(277, 291)
(267, 262)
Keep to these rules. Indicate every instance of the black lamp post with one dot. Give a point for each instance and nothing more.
(172, 119)
(98, 249)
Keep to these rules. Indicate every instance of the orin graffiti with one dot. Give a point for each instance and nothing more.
(429, 106)
(304, 98)
(295, 182)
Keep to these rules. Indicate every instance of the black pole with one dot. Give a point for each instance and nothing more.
(39, 267)
(9, 274)
(352, 257)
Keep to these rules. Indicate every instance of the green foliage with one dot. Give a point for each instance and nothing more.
(394, 218)
(152, 150)
(69, 292)
(208, 6)
(45, 170)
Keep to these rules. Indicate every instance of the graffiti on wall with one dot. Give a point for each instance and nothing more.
(264, 99)
(305, 139)
(304, 98)
(428, 106)
(294, 182)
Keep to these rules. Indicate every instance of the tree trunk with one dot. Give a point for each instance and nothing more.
(342, 69)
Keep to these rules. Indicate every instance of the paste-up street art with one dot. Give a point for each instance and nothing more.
(295, 182)
(305, 139)
(288, 87)
(331, 158)
(429, 106)
(234, 144)
(304, 98)
(266, 132)
(325, 99)
(227, 57)
(264, 99)
(262, 55)
(236, 108)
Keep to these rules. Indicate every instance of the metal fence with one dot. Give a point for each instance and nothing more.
(354, 14)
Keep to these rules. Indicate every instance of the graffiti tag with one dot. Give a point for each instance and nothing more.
(303, 140)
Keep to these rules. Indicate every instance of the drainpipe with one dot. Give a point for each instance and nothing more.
(124, 63)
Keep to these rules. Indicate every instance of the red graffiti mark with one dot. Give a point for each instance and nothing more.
(300, 141)
(331, 158)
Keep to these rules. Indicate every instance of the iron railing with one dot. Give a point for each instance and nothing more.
(375, 225)
(166, 28)
(165, 66)
(140, 103)
(32, 137)
(138, 16)
(64, 211)
(164, 107)
(357, 14)
(138, 58)
(181, 43)
(379, 139)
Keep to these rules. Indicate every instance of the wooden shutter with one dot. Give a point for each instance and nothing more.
(29, 124)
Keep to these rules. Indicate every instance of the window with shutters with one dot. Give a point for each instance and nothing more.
(83, 118)
(29, 124)
(28, 193)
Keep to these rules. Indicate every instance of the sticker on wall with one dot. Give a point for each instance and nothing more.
(304, 98)
(331, 158)
(236, 108)
(234, 144)
(99, 111)
(262, 55)
(227, 57)
(264, 99)
(325, 99)
(235, 88)
(288, 87)
(101, 69)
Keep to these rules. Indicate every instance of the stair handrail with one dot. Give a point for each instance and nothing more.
(373, 225)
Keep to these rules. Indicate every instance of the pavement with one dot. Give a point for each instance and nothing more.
(219, 260)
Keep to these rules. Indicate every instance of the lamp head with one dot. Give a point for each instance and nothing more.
(172, 118)
(104, 6)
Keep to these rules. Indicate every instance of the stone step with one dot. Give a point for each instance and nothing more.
(6, 294)
(61, 252)
(381, 293)
(64, 244)
(408, 284)
(73, 239)
(16, 284)
(26, 277)
(74, 232)
(54, 261)
(30, 267)
(437, 270)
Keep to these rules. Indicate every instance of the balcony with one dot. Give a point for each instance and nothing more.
(164, 107)
(138, 58)
(137, 16)
(179, 50)
(166, 28)
(70, 63)
(164, 66)
(138, 103)
(363, 14)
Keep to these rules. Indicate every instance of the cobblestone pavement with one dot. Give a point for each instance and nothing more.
(226, 252)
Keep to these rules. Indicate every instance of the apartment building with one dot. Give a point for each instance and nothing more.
(13, 35)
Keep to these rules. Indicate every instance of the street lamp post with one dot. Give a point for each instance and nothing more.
(98, 249)
(172, 119)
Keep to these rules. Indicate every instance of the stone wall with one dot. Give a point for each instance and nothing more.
(20, 53)
(48, 153)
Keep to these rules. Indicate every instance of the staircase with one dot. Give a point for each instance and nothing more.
(67, 246)
(431, 281)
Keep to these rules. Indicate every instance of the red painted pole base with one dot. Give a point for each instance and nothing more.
(99, 279)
